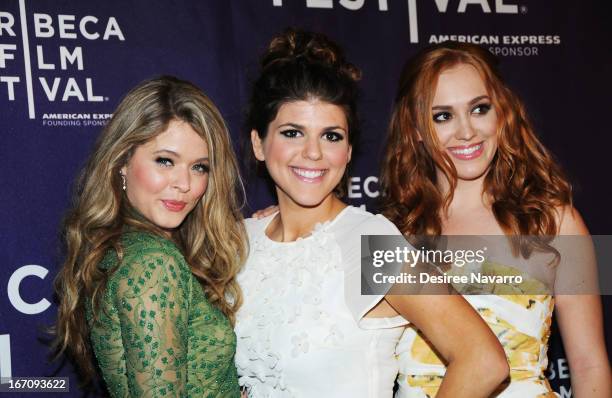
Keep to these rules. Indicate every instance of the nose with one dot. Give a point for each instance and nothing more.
(181, 179)
(312, 149)
(465, 130)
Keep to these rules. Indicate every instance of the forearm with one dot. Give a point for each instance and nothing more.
(470, 378)
(594, 382)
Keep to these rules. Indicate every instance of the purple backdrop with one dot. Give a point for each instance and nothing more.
(64, 66)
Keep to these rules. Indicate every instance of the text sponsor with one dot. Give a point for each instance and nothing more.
(75, 119)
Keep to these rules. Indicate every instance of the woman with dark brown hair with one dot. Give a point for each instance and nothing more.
(305, 330)
(463, 159)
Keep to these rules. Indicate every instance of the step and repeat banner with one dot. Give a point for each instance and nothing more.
(64, 66)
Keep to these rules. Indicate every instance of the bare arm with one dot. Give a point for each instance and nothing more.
(464, 340)
(581, 324)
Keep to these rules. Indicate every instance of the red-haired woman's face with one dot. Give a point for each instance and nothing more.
(465, 121)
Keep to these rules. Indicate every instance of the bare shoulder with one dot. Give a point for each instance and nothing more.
(570, 221)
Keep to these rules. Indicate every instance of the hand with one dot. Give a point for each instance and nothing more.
(265, 212)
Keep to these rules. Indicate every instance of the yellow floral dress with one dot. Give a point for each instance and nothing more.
(521, 322)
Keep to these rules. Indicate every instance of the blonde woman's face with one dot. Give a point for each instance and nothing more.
(167, 176)
(465, 121)
(306, 151)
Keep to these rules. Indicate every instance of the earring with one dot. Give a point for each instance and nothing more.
(123, 185)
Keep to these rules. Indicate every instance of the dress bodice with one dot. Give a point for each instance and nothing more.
(155, 333)
(301, 331)
(521, 322)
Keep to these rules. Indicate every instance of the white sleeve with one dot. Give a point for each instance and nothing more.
(359, 304)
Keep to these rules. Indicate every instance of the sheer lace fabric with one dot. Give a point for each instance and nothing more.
(156, 334)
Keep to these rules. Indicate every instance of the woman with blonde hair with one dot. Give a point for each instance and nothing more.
(463, 159)
(153, 244)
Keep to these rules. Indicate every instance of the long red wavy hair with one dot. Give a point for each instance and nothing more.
(524, 183)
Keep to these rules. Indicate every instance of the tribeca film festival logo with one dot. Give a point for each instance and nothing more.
(68, 59)
(500, 45)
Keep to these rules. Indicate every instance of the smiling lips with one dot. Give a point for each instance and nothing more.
(467, 152)
(309, 175)
(174, 205)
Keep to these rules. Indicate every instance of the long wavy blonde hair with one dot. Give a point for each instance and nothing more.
(524, 182)
(211, 238)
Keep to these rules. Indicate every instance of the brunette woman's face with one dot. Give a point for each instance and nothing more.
(167, 176)
(465, 121)
(306, 151)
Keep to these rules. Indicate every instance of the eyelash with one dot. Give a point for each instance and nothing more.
(165, 162)
(203, 168)
(437, 116)
(200, 167)
(290, 133)
(331, 136)
(447, 115)
(485, 108)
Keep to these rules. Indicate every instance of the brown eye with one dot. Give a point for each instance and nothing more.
(291, 133)
(441, 117)
(333, 136)
(481, 109)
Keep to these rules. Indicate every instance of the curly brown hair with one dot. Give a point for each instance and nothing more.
(524, 183)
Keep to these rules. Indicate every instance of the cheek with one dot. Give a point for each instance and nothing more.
(444, 132)
(488, 124)
(199, 187)
(146, 178)
(338, 156)
(275, 149)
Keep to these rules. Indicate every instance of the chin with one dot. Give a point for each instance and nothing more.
(309, 203)
(168, 223)
(470, 174)
(308, 199)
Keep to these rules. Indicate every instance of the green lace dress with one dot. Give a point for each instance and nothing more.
(156, 334)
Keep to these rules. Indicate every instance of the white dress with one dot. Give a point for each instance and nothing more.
(301, 330)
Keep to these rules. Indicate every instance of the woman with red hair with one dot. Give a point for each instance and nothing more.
(463, 159)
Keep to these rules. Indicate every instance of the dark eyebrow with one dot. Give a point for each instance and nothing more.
(295, 126)
(300, 127)
(175, 154)
(472, 102)
(335, 128)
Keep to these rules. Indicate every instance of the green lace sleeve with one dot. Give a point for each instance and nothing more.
(151, 294)
(156, 334)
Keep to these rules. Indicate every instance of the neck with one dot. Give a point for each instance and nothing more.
(468, 194)
(295, 221)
